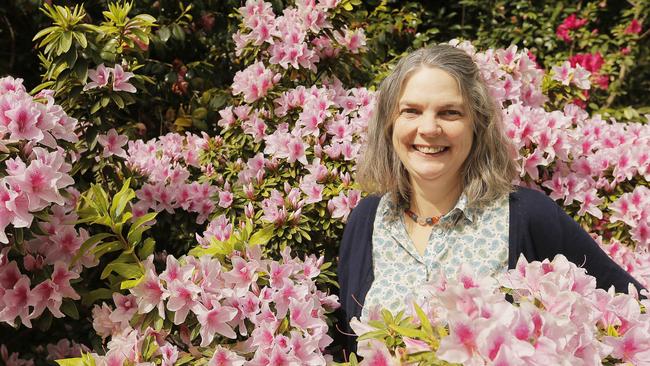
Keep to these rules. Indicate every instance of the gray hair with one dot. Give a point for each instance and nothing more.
(489, 169)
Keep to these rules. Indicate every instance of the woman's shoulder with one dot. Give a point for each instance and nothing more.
(532, 199)
(533, 205)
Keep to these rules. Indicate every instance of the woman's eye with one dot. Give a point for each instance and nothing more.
(409, 111)
(452, 112)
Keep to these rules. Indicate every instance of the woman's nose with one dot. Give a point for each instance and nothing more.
(429, 125)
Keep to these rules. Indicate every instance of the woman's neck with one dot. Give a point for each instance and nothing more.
(434, 200)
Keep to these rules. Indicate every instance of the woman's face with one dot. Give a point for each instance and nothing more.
(432, 133)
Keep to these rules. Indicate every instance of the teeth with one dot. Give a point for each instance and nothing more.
(429, 149)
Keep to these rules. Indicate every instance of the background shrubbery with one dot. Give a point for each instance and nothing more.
(232, 141)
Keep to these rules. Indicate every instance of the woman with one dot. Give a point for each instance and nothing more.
(440, 171)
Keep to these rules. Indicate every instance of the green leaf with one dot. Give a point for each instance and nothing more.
(135, 236)
(65, 42)
(424, 320)
(127, 284)
(147, 248)
(93, 240)
(408, 332)
(185, 359)
(77, 361)
(81, 39)
(126, 270)
(118, 100)
(104, 248)
(69, 308)
(370, 335)
(70, 58)
(96, 294)
(262, 236)
(44, 32)
(81, 69)
(178, 32)
(95, 107)
(99, 198)
(121, 199)
(148, 347)
(142, 220)
(164, 34)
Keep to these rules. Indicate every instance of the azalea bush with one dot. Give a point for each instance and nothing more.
(279, 169)
(175, 189)
(604, 39)
(557, 315)
(230, 307)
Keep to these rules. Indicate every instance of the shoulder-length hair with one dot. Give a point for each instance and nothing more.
(489, 169)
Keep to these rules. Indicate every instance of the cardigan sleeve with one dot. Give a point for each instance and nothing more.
(554, 232)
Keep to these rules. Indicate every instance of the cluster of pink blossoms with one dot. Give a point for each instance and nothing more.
(32, 182)
(101, 75)
(33, 178)
(250, 311)
(294, 39)
(558, 317)
(166, 163)
(327, 123)
(511, 76)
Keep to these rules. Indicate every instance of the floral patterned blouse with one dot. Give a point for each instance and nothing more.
(477, 237)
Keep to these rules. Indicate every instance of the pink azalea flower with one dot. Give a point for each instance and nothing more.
(120, 80)
(243, 273)
(64, 348)
(150, 293)
(376, 354)
(225, 357)
(169, 354)
(591, 62)
(102, 324)
(23, 118)
(354, 41)
(254, 82)
(10, 84)
(296, 151)
(17, 301)
(113, 144)
(300, 314)
(183, 296)
(225, 199)
(126, 307)
(581, 77)
(99, 77)
(633, 346)
(562, 73)
(214, 321)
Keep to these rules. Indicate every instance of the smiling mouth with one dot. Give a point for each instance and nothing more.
(430, 150)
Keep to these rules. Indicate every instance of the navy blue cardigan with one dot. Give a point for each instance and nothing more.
(539, 229)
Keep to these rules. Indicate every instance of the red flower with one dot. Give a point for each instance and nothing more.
(591, 62)
(633, 28)
(573, 22)
(570, 22)
(563, 34)
(602, 81)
